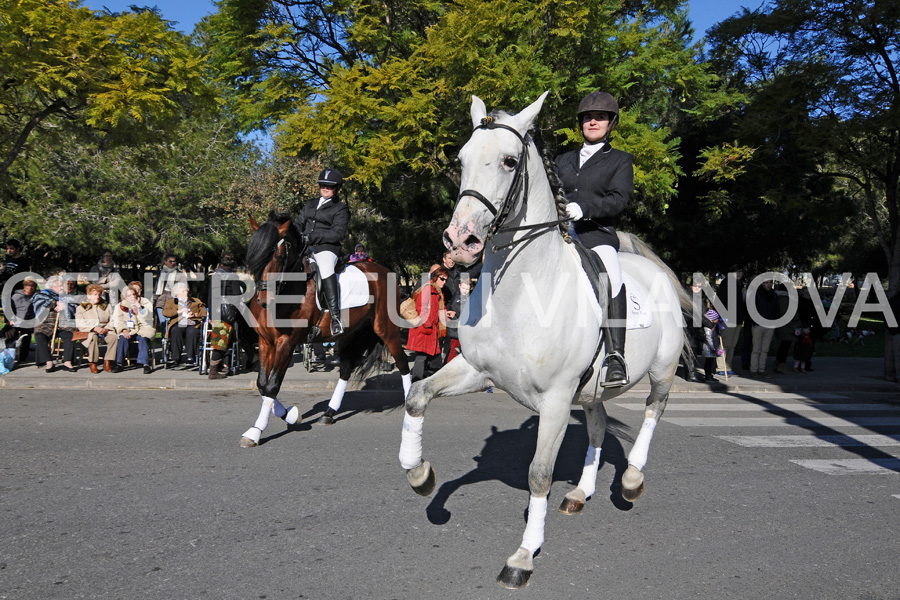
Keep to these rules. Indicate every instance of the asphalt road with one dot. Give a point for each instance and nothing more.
(146, 494)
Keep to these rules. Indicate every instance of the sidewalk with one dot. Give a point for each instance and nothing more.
(832, 375)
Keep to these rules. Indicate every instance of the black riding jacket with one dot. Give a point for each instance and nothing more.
(602, 188)
(326, 226)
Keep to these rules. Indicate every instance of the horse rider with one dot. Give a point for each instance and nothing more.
(598, 181)
(323, 225)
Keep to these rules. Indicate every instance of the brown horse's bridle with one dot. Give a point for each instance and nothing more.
(262, 285)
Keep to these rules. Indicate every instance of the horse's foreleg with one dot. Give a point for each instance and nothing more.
(456, 377)
(633, 478)
(273, 363)
(552, 428)
(595, 416)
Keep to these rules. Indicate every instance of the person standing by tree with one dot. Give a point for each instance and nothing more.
(323, 224)
(768, 310)
(15, 262)
(598, 181)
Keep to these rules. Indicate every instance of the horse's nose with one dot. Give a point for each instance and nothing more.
(464, 247)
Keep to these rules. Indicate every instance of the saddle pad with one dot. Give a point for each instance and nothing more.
(639, 315)
(354, 288)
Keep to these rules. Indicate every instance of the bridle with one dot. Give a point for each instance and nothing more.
(262, 285)
(518, 186)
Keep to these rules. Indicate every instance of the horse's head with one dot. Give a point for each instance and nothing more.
(275, 247)
(494, 178)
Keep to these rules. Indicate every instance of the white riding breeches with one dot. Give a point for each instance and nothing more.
(326, 261)
(610, 258)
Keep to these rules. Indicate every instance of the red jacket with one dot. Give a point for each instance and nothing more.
(426, 337)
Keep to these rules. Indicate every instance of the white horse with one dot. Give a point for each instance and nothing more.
(533, 322)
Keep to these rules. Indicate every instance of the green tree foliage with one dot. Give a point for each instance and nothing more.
(192, 197)
(63, 66)
(824, 108)
(382, 89)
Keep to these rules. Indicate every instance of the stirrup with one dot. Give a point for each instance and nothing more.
(621, 380)
(337, 328)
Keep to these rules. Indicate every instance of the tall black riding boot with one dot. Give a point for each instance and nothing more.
(333, 301)
(614, 331)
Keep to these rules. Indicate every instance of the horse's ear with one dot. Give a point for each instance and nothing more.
(253, 223)
(525, 118)
(283, 228)
(478, 111)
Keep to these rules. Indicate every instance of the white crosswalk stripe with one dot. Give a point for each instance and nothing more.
(824, 425)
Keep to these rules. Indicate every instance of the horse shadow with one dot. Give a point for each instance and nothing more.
(506, 456)
(379, 393)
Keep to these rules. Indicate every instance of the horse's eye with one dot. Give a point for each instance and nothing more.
(509, 162)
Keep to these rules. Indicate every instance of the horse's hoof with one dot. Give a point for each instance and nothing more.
(422, 479)
(248, 443)
(327, 417)
(571, 506)
(513, 578)
(632, 495)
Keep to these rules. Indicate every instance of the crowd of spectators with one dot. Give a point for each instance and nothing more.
(98, 313)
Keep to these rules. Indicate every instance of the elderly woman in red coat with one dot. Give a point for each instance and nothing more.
(425, 339)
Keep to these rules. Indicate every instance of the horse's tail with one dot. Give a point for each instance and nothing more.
(632, 244)
(363, 354)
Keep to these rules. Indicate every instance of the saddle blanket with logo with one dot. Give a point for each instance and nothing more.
(354, 288)
(639, 315)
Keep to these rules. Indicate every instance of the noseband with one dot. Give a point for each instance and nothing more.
(519, 186)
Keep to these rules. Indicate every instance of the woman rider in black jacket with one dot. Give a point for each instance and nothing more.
(598, 181)
(323, 224)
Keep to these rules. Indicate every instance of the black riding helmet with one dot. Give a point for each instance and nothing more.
(599, 102)
(331, 177)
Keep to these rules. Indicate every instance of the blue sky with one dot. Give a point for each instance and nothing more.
(704, 13)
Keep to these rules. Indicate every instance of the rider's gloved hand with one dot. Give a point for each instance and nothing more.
(574, 211)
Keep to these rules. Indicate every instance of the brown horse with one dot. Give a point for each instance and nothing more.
(278, 260)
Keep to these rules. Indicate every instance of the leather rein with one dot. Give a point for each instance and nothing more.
(519, 186)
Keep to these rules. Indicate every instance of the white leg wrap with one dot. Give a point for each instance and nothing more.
(253, 433)
(262, 421)
(292, 416)
(588, 481)
(411, 442)
(638, 455)
(407, 383)
(533, 538)
(338, 396)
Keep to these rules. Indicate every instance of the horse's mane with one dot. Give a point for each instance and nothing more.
(262, 243)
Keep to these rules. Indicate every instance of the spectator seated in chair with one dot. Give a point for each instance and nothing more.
(133, 320)
(55, 312)
(23, 313)
(92, 319)
(185, 315)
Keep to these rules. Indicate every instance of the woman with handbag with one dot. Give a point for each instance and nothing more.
(424, 340)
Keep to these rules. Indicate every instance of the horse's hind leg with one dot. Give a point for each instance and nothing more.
(455, 378)
(595, 416)
(337, 396)
(633, 478)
